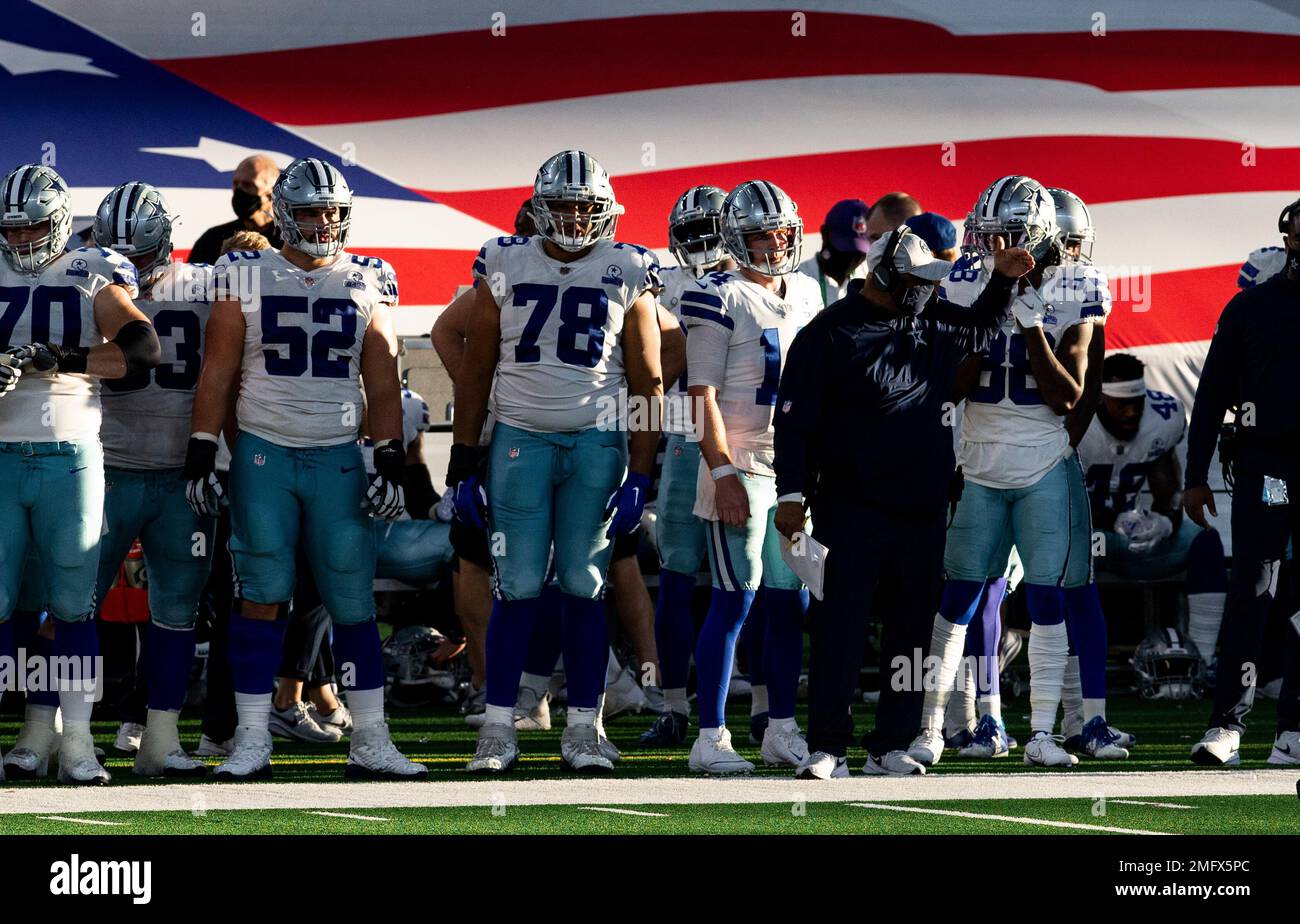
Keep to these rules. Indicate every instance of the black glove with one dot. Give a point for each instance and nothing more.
(51, 357)
(203, 490)
(385, 494)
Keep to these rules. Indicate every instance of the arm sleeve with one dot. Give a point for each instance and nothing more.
(1215, 393)
(799, 403)
(973, 327)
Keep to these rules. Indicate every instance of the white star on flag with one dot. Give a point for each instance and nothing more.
(20, 60)
(219, 155)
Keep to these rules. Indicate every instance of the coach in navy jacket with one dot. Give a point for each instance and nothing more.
(864, 441)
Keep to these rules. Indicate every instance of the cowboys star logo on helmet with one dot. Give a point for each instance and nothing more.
(573, 201)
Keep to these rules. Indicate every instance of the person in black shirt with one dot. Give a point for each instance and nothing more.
(1251, 367)
(864, 439)
(251, 202)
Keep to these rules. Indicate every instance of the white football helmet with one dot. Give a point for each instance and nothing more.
(133, 220)
(573, 201)
(1168, 665)
(310, 182)
(755, 207)
(29, 195)
(695, 228)
(1075, 222)
(1020, 211)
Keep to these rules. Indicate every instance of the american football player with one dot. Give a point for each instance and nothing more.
(1015, 457)
(563, 322)
(293, 332)
(67, 322)
(741, 324)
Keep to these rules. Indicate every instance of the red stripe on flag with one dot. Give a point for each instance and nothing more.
(1169, 307)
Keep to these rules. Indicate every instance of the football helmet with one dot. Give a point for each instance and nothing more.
(310, 182)
(1169, 666)
(573, 201)
(755, 207)
(29, 195)
(695, 228)
(1021, 211)
(1074, 221)
(408, 665)
(133, 220)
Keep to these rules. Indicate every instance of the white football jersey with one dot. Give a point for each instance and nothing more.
(1261, 266)
(1115, 469)
(561, 359)
(147, 415)
(1010, 438)
(303, 332)
(760, 326)
(56, 305)
(676, 280)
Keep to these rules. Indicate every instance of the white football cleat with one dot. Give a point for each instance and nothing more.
(1044, 750)
(895, 763)
(496, 751)
(1286, 749)
(373, 756)
(532, 713)
(1219, 748)
(581, 752)
(823, 766)
(716, 755)
(1101, 741)
(783, 748)
(607, 747)
(988, 742)
(340, 718)
(623, 695)
(161, 754)
(30, 758)
(128, 737)
(926, 748)
(77, 762)
(250, 757)
(209, 748)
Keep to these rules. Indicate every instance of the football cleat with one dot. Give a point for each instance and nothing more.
(988, 741)
(161, 754)
(1044, 750)
(340, 718)
(1219, 748)
(496, 751)
(895, 763)
(128, 737)
(1286, 749)
(298, 722)
(532, 712)
(958, 740)
(668, 731)
(373, 756)
(250, 756)
(209, 748)
(581, 751)
(475, 701)
(926, 748)
(1101, 742)
(757, 728)
(715, 755)
(783, 748)
(77, 762)
(623, 695)
(30, 758)
(822, 766)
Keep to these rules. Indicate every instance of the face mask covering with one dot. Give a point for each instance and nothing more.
(915, 299)
(245, 204)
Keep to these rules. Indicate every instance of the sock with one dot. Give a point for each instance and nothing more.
(674, 628)
(960, 713)
(367, 707)
(25, 628)
(36, 714)
(1207, 585)
(1086, 626)
(254, 709)
(675, 700)
(76, 649)
(783, 648)
(1072, 699)
(547, 636)
(715, 652)
(586, 640)
(578, 715)
(498, 715)
(1048, 653)
(757, 700)
(987, 636)
(957, 608)
(510, 630)
(538, 683)
(753, 635)
(990, 705)
(613, 669)
(168, 658)
(256, 646)
(357, 645)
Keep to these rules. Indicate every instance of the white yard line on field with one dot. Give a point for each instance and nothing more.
(619, 811)
(83, 821)
(984, 816)
(347, 815)
(1173, 805)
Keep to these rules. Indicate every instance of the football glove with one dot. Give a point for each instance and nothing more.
(627, 504)
(1144, 529)
(50, 357)
(1029, 308)
(386, 496)
(465, 478)
(10, 373)
(203, 491)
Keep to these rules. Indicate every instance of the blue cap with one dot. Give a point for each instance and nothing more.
(846, 225)
(938, 232)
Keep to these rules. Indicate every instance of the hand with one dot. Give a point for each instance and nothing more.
(203, 491)
(731, 501)
(1011, 261)
(385, 494)
(465, 478)
(39, 357)
(627, 504)
(10, 373)
(1028, 308)
(1195, 500)
(789, 518)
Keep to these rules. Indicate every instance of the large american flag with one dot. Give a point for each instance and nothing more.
(1175, 122)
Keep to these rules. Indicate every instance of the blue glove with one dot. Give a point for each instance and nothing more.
(464, 477)
(627, 504)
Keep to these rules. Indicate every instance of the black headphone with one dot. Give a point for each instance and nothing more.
(1284, 220)
(886, 274)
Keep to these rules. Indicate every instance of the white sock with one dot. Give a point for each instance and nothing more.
(758, 705)
(582, 716)
(991, 705)
(947, 642)
(1204, 616)
(961, 704)
(1049, 650)
(1072, 699)
(711, 734)
(492, 715)
(675, 700)
(40, 715)
(367, 708)
(161, 725)
(253, 709)
(77, 706)
(784, 725)
(613, 669)
(538, 683)
(1093, 708)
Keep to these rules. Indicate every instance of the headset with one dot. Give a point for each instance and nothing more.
(1284, 220)
(886, 274)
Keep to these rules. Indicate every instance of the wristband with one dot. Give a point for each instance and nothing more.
(790, 499)
(722, 471)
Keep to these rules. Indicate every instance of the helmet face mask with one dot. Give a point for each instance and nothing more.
(134, 221)
(760, 213)
(1018, 210)
(695, 228)
(310, 184)
(34, 198)
(573, 202)
(1169, 666)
